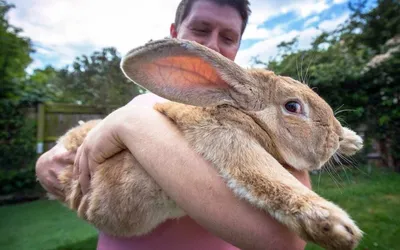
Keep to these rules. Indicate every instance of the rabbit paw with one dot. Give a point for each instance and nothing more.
(329, 226)
(351, 142)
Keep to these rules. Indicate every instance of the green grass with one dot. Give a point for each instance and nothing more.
(371, 198)
(43, 225)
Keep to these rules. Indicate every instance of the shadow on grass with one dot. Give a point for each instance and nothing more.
(89, 244)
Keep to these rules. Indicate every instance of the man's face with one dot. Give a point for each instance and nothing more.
(217, 27)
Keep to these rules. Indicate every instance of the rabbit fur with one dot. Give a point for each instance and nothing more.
(246, 122)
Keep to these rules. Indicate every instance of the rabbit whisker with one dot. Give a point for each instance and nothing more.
(319, 178)
(329, 170)
(344, 110)
(301, 67)
(336, 173)
(297, 69)
(338, 108)
(343, 167)
(309, 64)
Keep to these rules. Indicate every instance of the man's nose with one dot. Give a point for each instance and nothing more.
(212, 42)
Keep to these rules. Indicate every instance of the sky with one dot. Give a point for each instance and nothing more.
(65, 29)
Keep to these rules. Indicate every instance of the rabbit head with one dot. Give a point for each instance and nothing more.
(301, 125)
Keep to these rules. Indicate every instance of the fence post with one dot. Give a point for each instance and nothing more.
(40, 128)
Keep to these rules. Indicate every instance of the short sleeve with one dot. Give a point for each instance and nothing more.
(148, 99)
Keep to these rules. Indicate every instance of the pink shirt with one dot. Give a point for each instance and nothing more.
(181, 234)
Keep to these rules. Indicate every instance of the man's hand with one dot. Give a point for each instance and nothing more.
(49, 165)
(104, 141)
(100, 143)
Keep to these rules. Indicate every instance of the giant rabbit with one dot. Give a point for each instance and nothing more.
(246, 122)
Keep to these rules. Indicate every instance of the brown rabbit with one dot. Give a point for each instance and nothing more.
(247, 123)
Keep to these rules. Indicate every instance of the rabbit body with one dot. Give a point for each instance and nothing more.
(245, 139)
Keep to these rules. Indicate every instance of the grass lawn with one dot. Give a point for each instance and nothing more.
(43, 225)
(372, 199)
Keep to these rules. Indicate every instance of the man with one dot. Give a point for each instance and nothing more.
(216, 216)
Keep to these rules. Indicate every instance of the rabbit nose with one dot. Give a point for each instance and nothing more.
(340, 138)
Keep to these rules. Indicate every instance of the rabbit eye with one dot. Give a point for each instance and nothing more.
(293, 107)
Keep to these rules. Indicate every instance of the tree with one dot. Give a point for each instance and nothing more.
(16, 135)
(96, 79)
(14, 54)
(378, 25)
(383, 110)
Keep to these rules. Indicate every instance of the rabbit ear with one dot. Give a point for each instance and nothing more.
(190, 73)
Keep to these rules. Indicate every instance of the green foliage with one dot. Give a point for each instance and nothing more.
(14, 55)
(41, 86)
(16, 133)
(95, 79)
(17, 180)
(384, 97)
(378, 25)
(17, 150)
(17, 145)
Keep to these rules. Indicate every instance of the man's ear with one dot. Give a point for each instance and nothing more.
(187, 72)
(173, 31)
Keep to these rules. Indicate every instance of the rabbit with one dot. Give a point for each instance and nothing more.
(246, 122)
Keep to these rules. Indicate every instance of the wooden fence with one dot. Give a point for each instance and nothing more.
(55, 119)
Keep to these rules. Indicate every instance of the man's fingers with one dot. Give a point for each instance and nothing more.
(51, 184)
(69, 157)
(84, 176)
(75, 172)
(55, 181)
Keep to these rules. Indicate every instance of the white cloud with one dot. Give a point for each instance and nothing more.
(35, 65)
(65, 29)
(43, 51)
(334, 23)
(311, 7)
(262, 10)
(310, 21)
(254, 32)
(64, 25)
(267, 48)
(339, 1)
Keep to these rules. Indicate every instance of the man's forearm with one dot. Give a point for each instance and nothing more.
(198, 189)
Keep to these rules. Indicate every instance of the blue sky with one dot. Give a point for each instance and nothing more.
(64, 29)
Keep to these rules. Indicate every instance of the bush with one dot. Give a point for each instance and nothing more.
(17, 148)
(17, 180)
(17, 137)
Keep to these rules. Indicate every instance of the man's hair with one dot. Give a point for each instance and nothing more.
(242, 6)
